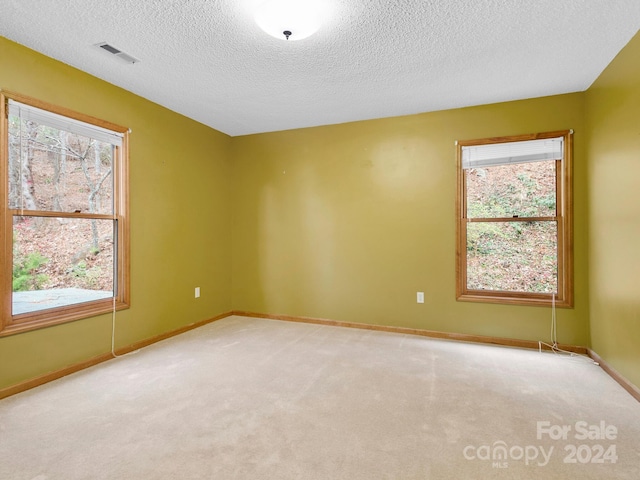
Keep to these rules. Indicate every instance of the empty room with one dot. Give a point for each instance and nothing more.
(303, 239)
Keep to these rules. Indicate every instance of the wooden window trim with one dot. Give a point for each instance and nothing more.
(12, 324)
(564, 218)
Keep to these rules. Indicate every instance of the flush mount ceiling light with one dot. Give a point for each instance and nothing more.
(289, 19)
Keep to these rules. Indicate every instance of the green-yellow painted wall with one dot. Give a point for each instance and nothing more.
(348, 222)
(344, 222)
(180, 218)
(613, 112)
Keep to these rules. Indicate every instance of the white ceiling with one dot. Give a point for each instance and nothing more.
(208, 60)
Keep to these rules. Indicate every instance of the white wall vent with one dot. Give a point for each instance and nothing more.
(116, 52)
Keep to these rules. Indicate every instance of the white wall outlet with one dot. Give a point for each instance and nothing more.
(420, 297)
(197, 292)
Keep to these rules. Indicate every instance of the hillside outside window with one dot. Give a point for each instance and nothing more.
(514, 208)
(64, 204)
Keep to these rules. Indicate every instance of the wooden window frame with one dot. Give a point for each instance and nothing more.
(12, 324)
(564, 219)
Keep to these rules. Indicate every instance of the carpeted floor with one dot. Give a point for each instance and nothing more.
(260, 399)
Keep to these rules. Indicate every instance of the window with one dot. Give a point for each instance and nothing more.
(64, 215)
(514, 208)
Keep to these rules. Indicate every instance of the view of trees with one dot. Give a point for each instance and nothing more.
(52, 170)
(512, 256)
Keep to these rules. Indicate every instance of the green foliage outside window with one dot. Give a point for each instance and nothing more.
(25, 272)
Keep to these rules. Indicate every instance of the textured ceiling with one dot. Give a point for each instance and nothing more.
(208, 60)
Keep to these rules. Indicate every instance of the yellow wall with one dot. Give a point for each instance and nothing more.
(344, 222)
(613, 112)
(348, 222)
(180, 218)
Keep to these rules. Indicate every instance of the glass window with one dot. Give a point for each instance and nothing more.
(514, 220)
(64, 201)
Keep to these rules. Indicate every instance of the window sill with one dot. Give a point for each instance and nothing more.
(47, 318)
(506, 298)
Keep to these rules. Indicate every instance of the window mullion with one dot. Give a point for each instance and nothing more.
(50, 214)
(512, 219)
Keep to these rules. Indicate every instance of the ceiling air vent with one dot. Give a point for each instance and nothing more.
(117, 52)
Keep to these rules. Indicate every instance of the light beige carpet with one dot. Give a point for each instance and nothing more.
(258, 399)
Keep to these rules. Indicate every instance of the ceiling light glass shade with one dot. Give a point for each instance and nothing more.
(300, 17)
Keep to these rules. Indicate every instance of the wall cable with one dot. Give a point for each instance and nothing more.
(113, 328)
(553, 346)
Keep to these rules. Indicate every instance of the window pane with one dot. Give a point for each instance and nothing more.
(54, 170)
(61, 261)
(523, 189)
(512, 256)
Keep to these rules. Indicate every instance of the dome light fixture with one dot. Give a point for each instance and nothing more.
(289, 19)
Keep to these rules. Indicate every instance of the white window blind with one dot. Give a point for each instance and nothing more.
(60, 122)
(492, 155)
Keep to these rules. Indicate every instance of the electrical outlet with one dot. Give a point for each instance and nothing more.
(197, 292)
(420, 297)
